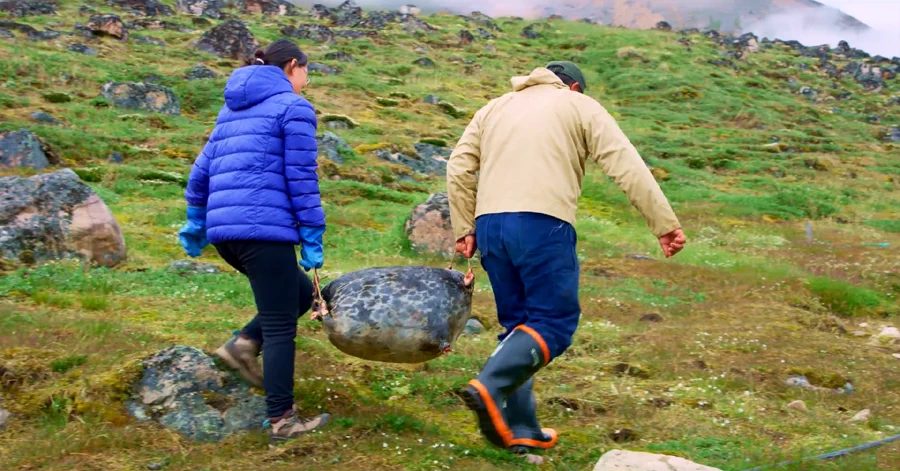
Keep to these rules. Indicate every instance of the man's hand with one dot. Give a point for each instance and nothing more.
(671, 243)
(466, 246)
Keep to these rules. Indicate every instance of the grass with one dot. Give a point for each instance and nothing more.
(750, 302)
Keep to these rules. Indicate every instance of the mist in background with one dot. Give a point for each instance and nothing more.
(810, 26)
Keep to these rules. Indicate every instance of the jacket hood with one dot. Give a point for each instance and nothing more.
(249, 86)
(538, 76)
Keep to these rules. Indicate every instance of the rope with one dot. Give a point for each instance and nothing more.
(320, 310)
(834, 454)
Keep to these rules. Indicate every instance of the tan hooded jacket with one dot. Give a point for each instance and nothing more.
(525, 151)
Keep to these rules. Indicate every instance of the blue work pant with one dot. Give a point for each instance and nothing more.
(533, 268)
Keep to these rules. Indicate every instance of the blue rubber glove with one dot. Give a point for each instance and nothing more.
(193, 234)
(311, 247)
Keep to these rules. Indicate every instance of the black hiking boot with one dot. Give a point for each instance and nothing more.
(521, 416)
(521, 354)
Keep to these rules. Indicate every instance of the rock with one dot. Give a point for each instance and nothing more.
(660, 174)
(434, 165)
(323, 69)
(431, 100)
(116, 158)
(149, 40)
(156, 466)
(894, 101)
(862, 416)
(268, 7)
(621, 460)
(336, 121)
(386, 101)
(41, 117)
(82, 49)
(798, 405)
(892, 135)
(530, 33)
(428, 226)
(23, 148)
(54, 216)
(473, 327)
(312, 32)
(888, 335)
(153, 23)
(896, 355)
(187, 266)
(424, 62)
(331, 145)
(663, 26)
(143, 7)
(230, 40)
(536, 460)
(414, 25)
(200, 72)
(466, 38)
(320, 12)
(347, 14)
(379, 20)
(651, 318)
(427, 151)
(56, 97)
(6, 34)
(183, 390)
(485, 34)
(19, 8)
(640, 257)
(339, 56)
(451, 109)
(208, 8)
(4, 418)
(142, 96)
(108, 25)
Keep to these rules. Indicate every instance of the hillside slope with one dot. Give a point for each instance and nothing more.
(781, 161)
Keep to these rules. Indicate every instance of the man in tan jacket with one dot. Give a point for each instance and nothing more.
(513, 181)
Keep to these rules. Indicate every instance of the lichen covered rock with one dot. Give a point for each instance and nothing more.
(55, 216)
(428, 226)
(142, 96)
(182, 389)
(231, 40)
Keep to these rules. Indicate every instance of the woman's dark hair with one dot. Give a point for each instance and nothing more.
(279, 53)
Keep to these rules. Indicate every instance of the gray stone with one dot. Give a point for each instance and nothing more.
(6, 34)
(332, 145)
(200, 72)
(148, 40)
(530, 33)
(323, 69)
(473, 327)
(22, 148)
(207, 8)
(230, 40)
(42, 117)
(466, 38)
(267, 7)
(183, 390)
(431, 151)
(892, 135)
(340, 57)
(432, 100)
(484, 33)
(108, 25)
(622, 460)
(55, 216)
(192, 267)
(424, 62)
(862, 416)
(428, 227)
(4, 417)
(116, 158)
(313, 32)
(82, 49)
(640, 257)
(142, 96)
(143, 7)
(19, 8)
(347, 14)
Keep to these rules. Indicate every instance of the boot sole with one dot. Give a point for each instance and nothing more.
(490, 419)
(326, 418)
(238, 365)
(520, 446)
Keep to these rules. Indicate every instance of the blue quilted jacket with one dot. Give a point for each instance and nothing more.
(256, 176)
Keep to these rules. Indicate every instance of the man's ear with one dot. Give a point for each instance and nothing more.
(575, 87)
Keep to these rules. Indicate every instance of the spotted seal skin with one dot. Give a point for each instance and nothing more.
(397, 314)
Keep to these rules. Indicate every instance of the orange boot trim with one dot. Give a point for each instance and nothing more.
(496, 416)
(554, 437)
(537, 338)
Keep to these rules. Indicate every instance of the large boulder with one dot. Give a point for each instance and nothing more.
(207, 8)
(231, 39)
(55, 216)
(332, 146)
(347, 14)
(200, 72)
(142, 96)
(23, 148)
(107, 25)
(143, 7)
(621, 460)
(312, 32)
(28, 7)
(182, 389)
(428, 226)
(268, 7)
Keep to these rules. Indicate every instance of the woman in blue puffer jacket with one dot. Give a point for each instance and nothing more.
(253, 193)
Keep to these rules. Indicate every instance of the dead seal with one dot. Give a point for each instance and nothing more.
(406, 314)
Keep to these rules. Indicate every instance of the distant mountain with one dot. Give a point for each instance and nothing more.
(726, 15)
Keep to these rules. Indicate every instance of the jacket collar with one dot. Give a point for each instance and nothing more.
(538, 76)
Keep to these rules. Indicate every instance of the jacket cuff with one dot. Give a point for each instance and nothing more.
(311, 234)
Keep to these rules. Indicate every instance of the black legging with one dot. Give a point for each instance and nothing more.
(282, 293)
